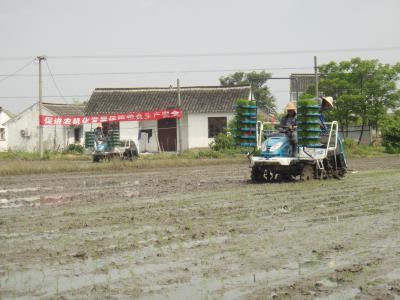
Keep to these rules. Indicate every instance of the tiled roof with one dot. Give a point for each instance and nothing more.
(65, 109)
(202, 99)
(305, 80)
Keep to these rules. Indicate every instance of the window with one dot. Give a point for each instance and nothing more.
(216, 125)
(2, 134)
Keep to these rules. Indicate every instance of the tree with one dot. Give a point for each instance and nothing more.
(391, 132)
(80, 102)
(257, 80)
(362, 89)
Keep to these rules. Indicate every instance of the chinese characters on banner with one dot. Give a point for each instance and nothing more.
(132, 116)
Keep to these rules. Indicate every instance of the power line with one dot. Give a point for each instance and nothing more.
(54, 81)
(211, 54)
(15, 72)
(35, 97)
(166, 72)
(85, 96)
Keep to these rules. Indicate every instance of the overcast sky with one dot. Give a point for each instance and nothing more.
(100, 27)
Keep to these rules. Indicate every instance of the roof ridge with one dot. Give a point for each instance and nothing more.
(173, 88)
(75, 104)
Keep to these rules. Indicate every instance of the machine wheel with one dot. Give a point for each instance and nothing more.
(339, 174)
(257, 175)
(284, 177)
(96, 158)
(307, 173)
(130, 153)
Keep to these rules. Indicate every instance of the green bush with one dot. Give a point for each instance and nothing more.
(223, 141)
(353, 149)
(391, 133)
(76, 148)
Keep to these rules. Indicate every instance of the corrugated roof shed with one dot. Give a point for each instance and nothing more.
(305, 80)
(63, 109)
(201, 99)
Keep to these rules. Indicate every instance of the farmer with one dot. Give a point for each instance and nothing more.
(99, 132)
(288, 125)
(326, 104)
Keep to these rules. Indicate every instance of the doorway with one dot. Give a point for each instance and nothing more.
(167, 134)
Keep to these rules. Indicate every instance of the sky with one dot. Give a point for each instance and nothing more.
(168, 28)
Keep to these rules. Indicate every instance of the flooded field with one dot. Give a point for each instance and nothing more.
(199, 233)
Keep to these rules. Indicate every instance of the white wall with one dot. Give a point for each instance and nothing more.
(55, 138)
(27, 120)
(185, 132)
(4, 143)
(198, 128)
(129, 131)
(152, 144)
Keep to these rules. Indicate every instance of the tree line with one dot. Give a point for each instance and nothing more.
(365, 91)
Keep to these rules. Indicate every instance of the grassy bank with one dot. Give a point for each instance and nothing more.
(83, 163)
(352, 149)
(18, 163)
(34, 156)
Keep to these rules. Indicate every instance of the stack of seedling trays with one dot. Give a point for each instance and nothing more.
(114, 138)
(246, 122)
(308, 123)
(89, 139)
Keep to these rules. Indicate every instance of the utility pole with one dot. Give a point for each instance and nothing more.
(40, 58)
(179, 123)
(316, 77)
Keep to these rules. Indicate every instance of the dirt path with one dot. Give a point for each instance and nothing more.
(203, 232)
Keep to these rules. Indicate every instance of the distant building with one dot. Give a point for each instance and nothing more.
(5, 115)
(206, 112)
(300, 84)
(23, 129)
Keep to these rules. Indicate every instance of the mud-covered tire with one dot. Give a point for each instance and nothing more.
(257, 175)
(308, 173)
(96, 158)
(130, 153)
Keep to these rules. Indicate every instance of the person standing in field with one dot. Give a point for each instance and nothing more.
(326, 104)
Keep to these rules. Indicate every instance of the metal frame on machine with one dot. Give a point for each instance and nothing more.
(297, 99)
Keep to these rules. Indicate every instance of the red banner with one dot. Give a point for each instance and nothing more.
(132, 116)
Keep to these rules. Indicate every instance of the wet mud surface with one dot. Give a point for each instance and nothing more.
(201, 232)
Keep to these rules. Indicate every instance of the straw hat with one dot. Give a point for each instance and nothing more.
(328, 100)
(290, 106)
(99, 125)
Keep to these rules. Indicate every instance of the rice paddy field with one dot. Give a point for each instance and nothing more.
(200, 232)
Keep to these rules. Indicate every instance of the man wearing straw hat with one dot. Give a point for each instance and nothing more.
(326, 104)
(99, 132)
(288, 125)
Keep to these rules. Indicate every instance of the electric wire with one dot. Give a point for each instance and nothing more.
(166, 72)
(210, 54)
(54, 81)
(357, 92)
(15, 72)
(33, 97)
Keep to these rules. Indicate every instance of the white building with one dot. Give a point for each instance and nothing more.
(206, 111)
(23, 129)
(4, 117)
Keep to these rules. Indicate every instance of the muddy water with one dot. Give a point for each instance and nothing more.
(196, 233)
